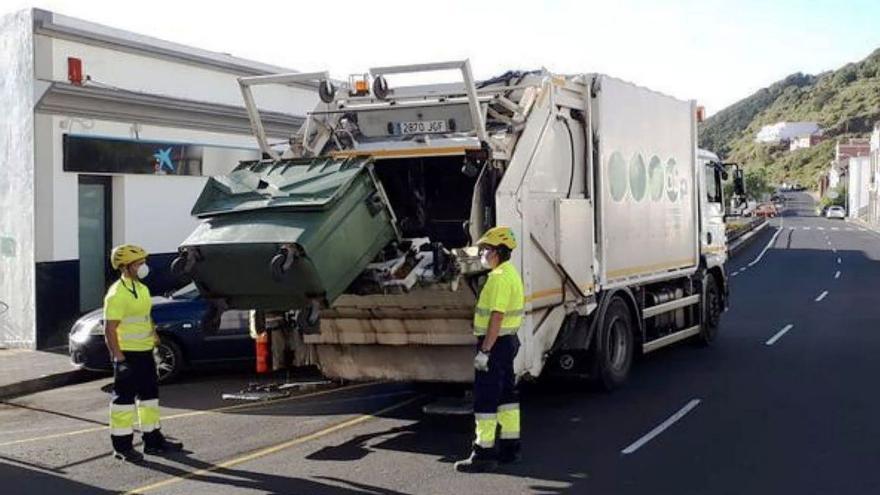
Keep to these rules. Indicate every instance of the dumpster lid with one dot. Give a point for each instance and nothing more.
(310, 183)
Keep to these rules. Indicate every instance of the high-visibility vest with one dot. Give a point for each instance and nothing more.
(502, 293)
(128, 302)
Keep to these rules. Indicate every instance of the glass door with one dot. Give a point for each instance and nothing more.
(94, 240)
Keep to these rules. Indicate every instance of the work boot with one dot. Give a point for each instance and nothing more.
(130, 455)
(478, 462)
(155, 443)
(509, 451)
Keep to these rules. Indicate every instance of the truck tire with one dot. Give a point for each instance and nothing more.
(613, 347)
(712, 308)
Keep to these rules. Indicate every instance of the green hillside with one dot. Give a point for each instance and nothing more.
(845, 102)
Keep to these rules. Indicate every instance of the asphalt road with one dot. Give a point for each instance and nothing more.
(784, 402)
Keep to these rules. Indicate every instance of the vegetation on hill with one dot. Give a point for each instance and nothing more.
(845, 103)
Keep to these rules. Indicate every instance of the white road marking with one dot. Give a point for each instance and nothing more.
(661, 428)
(779, 334)
(764, 251)
(837, 275)
(822, 296)
(834, 250)
(829, 243)
(820, 228)
(838, 260)
(834, 228)
(806, 228)
(734, 274)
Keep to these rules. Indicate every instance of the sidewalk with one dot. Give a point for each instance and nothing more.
(23, 371)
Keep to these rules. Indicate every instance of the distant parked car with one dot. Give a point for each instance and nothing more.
(180, 320)
(766, 210)
(835, 212)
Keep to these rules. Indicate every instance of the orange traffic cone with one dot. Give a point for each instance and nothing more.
(263, 354)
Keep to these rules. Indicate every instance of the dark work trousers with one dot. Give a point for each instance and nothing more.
(496, 400)
(134, 379)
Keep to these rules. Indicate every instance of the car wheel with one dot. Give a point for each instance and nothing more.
(169, 360)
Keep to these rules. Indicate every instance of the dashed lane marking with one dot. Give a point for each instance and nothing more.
(779, 334)
(837, 274)
(822, 296)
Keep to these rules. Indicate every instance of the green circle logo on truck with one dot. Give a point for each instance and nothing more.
(655, 178)
(672, 180)
(617, 176)
(638, 177)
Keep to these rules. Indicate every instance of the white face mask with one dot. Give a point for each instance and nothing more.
(143, 271)
(484, 259)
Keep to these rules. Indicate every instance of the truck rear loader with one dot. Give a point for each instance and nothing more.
(359, 234)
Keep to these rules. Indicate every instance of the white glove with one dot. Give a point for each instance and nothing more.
(481, 362)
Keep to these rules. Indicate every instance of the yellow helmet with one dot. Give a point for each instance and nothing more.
(499, 236)
(126, 254)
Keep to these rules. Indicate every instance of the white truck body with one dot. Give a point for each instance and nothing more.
(598, 178)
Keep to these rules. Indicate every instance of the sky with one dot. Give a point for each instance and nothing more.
(713, 51)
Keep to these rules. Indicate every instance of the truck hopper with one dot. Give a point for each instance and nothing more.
(286, 235)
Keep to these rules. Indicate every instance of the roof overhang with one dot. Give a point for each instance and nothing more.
(128, 106)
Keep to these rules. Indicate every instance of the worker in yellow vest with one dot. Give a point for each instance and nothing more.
(131, 337)
(497, 319)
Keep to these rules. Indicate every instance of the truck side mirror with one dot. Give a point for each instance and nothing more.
(739, 185)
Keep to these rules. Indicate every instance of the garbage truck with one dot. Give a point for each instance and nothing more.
(358, 234)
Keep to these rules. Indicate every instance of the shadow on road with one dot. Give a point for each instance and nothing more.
(16, 477)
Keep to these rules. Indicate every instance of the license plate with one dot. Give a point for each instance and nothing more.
(421, 127)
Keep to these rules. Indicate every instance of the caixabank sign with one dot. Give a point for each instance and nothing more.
(87, 154)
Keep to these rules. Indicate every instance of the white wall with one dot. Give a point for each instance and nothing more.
(157, 76)
(859, 179)
(153, 210)
(17, 293)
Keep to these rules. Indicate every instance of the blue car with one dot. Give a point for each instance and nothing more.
(180, 319)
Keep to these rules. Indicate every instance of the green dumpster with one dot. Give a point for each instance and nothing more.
(288, 234)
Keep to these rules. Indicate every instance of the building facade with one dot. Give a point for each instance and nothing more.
(108, 139)
(858, 183)
(873, 217)
(786, 131)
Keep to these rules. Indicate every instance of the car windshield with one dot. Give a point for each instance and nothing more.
(187, 292)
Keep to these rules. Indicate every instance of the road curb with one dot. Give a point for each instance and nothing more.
(746, 238)
(46, 382)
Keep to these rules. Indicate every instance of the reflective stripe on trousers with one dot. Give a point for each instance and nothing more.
(486, 424)
(508, 419)
(121, 419)
(148, 414)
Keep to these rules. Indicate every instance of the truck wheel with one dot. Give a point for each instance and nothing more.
(712, 309)
(614, 346)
